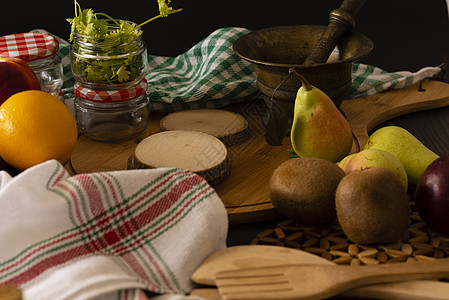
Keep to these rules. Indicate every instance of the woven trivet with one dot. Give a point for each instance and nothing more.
(329, 241)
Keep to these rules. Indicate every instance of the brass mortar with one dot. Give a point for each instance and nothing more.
(275, 50)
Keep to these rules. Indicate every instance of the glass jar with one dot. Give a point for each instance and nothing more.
(40, 51)
(112, 62)
(111, 115)
(49, 72)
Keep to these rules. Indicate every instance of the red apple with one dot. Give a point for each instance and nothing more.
(432, 195)
(16, 76)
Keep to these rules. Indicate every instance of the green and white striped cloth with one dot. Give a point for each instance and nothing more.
(369, 80)
(211, 75)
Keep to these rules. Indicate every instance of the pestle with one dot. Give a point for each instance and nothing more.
(341, 20)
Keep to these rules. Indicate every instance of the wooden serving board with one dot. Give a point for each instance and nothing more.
(245, 192)
(366, 113)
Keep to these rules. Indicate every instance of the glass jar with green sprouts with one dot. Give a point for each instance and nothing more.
(107, 53)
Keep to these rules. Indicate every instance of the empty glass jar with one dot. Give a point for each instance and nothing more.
(112, 115)
(40, 51)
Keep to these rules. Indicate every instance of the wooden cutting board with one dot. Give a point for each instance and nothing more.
(245, 192)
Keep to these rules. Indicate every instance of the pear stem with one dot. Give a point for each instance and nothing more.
(307, 86)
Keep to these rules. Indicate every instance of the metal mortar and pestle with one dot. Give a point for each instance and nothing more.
(322, 54)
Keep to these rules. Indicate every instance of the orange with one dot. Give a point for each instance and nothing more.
(36, 126)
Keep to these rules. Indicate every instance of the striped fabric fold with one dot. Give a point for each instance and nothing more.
(209, 75)
(109, 233)
(369, 80)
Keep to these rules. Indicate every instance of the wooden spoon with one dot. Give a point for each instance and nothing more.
(312, 281)
(247, 256)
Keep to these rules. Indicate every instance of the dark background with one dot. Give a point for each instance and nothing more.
(407, 34)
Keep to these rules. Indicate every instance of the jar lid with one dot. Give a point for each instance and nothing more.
(28, 46)
(110, 95)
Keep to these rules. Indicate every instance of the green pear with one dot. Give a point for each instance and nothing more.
(319, 130)
(414, 155)
(369, 158)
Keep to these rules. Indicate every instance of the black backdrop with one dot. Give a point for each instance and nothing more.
(407, 34)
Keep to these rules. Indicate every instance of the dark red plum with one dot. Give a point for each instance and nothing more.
(432, 195)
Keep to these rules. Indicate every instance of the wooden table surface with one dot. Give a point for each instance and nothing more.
(245, 192)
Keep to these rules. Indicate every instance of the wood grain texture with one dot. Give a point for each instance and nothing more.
(205, 293)
(198, 152)
(9, 292)
(322, 281)
(230, 127)
(245, 192)
(249, 256)
(366, 113)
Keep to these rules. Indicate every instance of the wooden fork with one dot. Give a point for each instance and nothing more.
(319, 281)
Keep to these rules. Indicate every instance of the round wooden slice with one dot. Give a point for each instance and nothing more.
(198, 152)
(230, 127)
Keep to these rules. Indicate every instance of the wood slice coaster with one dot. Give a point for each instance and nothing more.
(198, 152)
(330, 242)
(230, 127)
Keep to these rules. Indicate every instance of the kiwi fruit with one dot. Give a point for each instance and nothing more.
(303, 189)
(372, 206)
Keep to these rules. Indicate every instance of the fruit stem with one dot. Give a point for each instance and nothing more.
(307, 86)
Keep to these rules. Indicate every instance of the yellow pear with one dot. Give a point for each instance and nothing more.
(342, 163)
(319, 130)
(414, 155)
(369, 158)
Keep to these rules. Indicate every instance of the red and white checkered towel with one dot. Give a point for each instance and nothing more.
(111, 95)
(28, 46)
(108, 235)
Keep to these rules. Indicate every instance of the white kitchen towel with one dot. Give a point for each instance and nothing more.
(108, 235)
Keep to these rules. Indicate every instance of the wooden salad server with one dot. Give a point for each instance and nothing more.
(249, 256)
